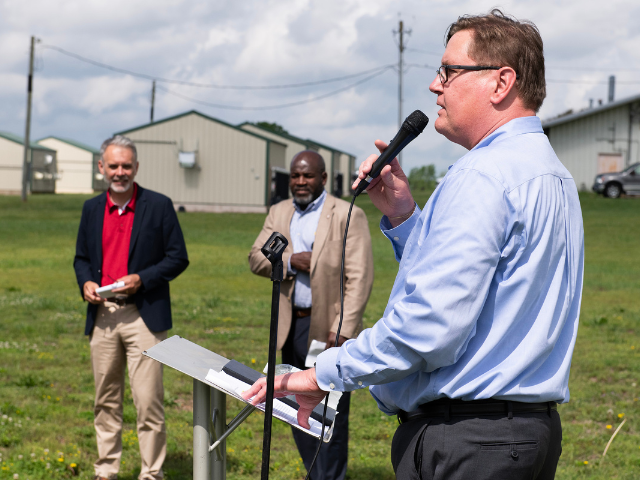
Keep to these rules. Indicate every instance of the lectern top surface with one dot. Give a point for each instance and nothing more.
(200, 363)
(187, 357)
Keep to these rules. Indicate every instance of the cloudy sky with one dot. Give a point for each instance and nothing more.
(269, 43)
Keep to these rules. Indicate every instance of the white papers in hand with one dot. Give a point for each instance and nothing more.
(106, 291)
(235, 387)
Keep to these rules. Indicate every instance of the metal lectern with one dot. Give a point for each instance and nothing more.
(209, 404)
(211, 385)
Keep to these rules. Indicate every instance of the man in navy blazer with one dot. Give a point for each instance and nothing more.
(132, 235)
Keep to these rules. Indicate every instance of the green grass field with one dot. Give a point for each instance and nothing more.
(46, 385)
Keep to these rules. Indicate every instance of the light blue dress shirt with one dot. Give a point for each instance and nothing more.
(304, 224)
(487, 297)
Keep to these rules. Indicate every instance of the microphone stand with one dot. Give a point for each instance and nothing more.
(273, 251)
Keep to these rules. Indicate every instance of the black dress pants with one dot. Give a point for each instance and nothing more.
(492, 447)
(332, 459)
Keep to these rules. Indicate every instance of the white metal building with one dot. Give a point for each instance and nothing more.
(42, 175)
(340, 165)
(597, 140)
(205, 164)
(77, 164)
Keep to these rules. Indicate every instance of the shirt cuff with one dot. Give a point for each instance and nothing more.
(327, 371)
(399, 234)
(290, 270)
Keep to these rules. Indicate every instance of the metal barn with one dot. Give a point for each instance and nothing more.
(77, 166)
(42, 175)
(597, 140)
(340, 165)
(205, 164)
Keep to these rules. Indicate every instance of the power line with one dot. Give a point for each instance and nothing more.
(273, 107)
(593, 82)
(552, 80)
(209, 85)
(552, 67)
(595, 69)
(423, 51)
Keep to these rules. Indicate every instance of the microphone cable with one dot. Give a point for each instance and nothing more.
(326, 399)
(413, 126)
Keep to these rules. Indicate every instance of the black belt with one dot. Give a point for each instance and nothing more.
(122, 301)
(446, 407)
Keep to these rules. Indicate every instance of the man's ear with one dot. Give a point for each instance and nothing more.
(505, 85)
(324, 178)
(101, 166)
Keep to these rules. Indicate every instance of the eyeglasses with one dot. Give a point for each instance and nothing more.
(443, 71)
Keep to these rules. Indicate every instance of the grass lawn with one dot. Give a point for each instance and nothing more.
(46, 385)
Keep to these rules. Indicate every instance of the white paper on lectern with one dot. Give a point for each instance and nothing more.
(234, 387)
(315, 349)
(334, 397)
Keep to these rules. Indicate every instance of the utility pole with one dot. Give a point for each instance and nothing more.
(153, 98)
(401, 47)
(27, 130)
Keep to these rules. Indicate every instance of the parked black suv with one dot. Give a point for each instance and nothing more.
(613, 185)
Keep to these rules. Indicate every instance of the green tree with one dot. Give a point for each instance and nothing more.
(423, 178)
(272, 127)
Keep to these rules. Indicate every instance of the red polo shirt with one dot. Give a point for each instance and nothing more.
(116, 238)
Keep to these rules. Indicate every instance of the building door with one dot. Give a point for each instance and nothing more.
(279, 185)
(610, 162)
(338, 185)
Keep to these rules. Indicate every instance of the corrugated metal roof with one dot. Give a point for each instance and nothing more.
(20, 140)
(195, 112)
(73, 142)
(552, 122)
(288, 136)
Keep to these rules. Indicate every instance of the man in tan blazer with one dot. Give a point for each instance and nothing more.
(314, 222)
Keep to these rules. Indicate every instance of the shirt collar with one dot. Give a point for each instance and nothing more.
(517, 126)
(313, 205)
(131, 203)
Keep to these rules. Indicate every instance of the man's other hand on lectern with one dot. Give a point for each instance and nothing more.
(301, 384)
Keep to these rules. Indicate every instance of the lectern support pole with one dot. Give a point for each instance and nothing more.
(219, 408)
(209, 421)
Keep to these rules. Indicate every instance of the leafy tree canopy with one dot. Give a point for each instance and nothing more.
(272, 127)
(423, 178)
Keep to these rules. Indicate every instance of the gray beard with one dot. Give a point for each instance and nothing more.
(120, 189)
(304, 201)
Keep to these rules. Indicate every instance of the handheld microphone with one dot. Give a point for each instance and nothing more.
(413, 126)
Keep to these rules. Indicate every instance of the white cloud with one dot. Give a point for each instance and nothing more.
(280, 42)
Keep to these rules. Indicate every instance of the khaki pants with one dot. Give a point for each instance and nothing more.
(117, 341)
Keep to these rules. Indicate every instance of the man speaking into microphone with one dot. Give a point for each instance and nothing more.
(474, 348)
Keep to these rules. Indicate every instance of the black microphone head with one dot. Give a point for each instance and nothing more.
(415, 123)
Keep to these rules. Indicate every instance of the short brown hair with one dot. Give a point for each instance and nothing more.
(507, 42)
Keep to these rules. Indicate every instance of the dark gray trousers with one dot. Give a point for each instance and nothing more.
(525, 447)
(332, 459)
